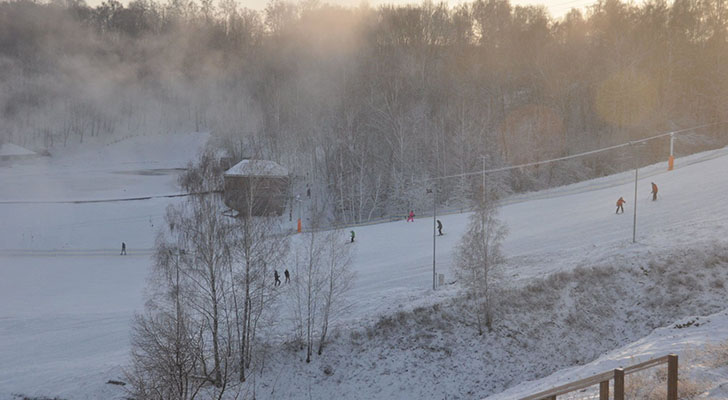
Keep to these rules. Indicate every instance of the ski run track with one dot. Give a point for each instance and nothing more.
(67, 297)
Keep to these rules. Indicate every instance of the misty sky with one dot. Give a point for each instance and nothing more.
(557, 7)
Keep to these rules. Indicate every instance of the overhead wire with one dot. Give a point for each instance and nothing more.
(572, 156)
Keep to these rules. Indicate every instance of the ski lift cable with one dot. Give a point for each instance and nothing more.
(569, 157)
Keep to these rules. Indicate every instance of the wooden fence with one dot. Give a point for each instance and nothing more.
(617, 376)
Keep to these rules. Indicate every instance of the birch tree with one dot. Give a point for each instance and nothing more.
(166, 345)
(337, 280)
(479, 260)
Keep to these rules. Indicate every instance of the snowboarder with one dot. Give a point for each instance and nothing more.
(352, 237)
(620, 205)
(277, 278)
(439, 227)
(654, 191)
(123, 249)
(411, 216)
(288, 276)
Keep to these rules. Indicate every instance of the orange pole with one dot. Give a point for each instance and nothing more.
(671, 160)
(299, 225)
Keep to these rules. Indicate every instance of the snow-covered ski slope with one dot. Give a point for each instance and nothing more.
(67, 297)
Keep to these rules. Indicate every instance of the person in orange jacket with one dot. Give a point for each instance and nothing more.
(654, 191)
(620, 205)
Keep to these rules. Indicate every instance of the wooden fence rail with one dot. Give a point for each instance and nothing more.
(617, 376)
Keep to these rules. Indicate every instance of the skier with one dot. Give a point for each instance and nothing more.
(654, 191)
(352, 237)
(288, 276)
(411, 216)
(123, 249)
(439, 227)
(308, 192)
(277, 278)
(620, 205)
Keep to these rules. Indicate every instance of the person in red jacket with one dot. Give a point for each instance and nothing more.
(620, 205)
(654, 191)
(411, 216)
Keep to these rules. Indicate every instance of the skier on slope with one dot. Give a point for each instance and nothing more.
(439, 227)
(123, 249)
(352, 236)
(411, 216)
(654, 191)
(288, 276)
(277, 278)
(620, 205)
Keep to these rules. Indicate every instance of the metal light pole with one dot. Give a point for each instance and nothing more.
(434, 227)
(483, 158)
(634, 221)
(636, 177)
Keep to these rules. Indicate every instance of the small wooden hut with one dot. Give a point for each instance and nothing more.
(262, 182)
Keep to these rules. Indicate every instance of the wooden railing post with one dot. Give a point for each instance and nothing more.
(603, 379)
(604, 390)
(672, 377)
(619, 384)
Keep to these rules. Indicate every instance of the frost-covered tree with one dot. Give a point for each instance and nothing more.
(207, 237)
(182, 341)
(479, 260)
(166, 340)
(261, 248)
(321, 278)
(337, 280)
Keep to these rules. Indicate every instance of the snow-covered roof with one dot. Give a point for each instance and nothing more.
(9, 149)
(257, 168)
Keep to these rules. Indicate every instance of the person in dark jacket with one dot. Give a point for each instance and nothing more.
(439, 227)
(277, 278)
(287, 275)
(123, 249)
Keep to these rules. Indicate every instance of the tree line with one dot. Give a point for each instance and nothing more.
(367, 102)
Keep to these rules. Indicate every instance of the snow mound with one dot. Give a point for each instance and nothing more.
(9, 150)
(260, 168)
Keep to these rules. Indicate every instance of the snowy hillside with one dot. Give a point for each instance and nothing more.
(66, 296)
(695, 347)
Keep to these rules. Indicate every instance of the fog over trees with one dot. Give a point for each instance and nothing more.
(369, 101)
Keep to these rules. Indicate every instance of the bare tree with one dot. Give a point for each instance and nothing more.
(321, 279)
(337, 280)
(166, 344)
(261, 249)
(206, 236)
(478, 261)
(306, 288)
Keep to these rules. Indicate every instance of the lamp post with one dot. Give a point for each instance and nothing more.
(634, 220)
(482, 157)
(671, 160)
(434, 228)
(635, 155)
